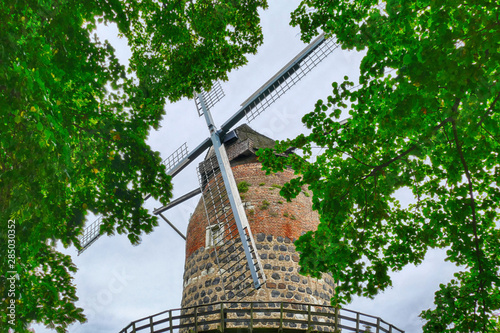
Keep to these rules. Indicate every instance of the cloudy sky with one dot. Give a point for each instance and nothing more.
(118, 283)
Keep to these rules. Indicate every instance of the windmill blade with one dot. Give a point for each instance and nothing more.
(190, 157)
(225, 210)
(238, 273)
(211, 98)
(174, 158)
(90, 234)
(282, 81)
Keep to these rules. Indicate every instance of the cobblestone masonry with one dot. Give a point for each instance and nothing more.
(275, 224)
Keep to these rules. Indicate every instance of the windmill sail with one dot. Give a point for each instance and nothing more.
(235, 247)
(92, 232)
(235, 269)
(292, 73)
(210, 98)
(281, 82)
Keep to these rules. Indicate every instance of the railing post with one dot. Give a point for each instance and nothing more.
(308, 316)
(336, 319)
(196, 319)
(251, 317)
(378, 325)
(151, 328)
(171, 324)
(357, 322)
(222, 321)
(133, 327)
(281, 317)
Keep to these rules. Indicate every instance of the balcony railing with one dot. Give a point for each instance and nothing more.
(260, 316)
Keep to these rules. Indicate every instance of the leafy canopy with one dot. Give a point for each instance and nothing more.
(425, 117)
(74, 124)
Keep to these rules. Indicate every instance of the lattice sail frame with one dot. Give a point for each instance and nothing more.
(275, 87)
(91, 233)
(210, 98)
(230, 256)
(174, 158)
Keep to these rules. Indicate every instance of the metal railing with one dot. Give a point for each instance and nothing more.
(260, 316)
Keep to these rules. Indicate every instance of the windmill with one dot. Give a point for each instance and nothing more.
(217, 185)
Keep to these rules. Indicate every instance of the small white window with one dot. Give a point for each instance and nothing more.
(214, 235)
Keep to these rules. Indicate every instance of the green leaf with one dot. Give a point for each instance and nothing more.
(431, 130)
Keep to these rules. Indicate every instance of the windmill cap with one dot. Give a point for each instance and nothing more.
(242, 143)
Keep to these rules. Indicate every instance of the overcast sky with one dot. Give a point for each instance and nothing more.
(119, 283)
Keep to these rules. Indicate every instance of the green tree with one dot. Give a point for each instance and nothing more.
(74, 123)
(425, 118)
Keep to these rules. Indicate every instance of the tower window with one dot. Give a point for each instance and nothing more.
(214, 235)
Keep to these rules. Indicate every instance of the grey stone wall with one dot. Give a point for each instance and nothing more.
(203, 285)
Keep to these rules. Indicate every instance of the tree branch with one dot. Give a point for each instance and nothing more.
(379, 167)
(489, 109)
(407, 151)
(359, 161)
(489, 133)
(471, 196)
(392, 160)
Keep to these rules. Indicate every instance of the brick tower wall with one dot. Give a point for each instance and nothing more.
(275, 224)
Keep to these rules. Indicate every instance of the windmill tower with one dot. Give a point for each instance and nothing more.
(213, 274)
(241, 269)
(218, 293)
(275, 225)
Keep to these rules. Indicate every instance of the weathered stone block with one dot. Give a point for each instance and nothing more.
(271, 285)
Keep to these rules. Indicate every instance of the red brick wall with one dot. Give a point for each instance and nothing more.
(280, 218)
(275, 225)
